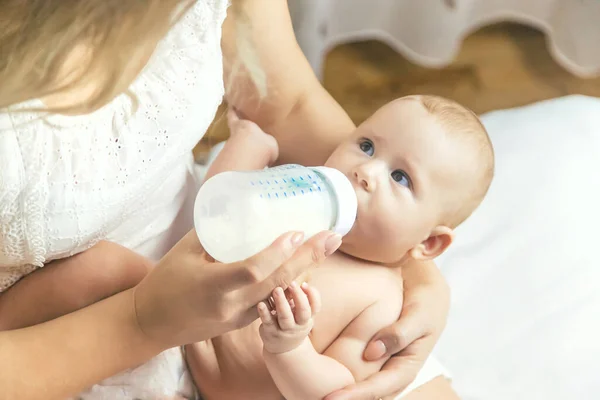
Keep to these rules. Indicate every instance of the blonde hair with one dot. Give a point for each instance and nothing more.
(37, 37)
(464, 124)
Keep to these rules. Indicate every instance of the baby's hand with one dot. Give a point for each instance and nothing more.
(252, 136)
(286, 330)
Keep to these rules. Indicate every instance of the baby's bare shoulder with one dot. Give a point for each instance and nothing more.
(374, 294)
(348, 288)
(386, 287)
(374, 276)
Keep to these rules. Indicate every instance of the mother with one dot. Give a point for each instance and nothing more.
(101, 103)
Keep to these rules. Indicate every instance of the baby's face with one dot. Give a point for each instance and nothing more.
(404, 172)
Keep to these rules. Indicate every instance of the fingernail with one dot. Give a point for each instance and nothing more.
(296, 239)
(332, 243)
(293, 284)
(304, 285)
(375, 350)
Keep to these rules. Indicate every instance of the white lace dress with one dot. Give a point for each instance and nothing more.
(68, 182)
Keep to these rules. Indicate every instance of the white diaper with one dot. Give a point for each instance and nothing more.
(431, 370)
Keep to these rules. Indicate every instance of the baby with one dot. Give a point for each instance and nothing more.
(420, 166)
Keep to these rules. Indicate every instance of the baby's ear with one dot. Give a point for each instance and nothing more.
(438, 241)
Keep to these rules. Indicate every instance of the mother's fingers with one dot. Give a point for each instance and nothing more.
(282, 272)
(257, 268)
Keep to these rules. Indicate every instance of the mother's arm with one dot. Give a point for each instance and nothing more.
(306, 121)
(63, 356)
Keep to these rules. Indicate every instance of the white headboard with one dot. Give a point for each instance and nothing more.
(430, 32)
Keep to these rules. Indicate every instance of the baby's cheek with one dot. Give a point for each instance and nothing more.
(388, 227)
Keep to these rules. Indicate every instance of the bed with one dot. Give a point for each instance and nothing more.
(524, 270)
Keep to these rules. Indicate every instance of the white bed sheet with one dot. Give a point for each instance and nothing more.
(524, 270)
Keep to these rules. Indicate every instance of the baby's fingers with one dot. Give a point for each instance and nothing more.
(302, 309)
(314, 297)
(265, 314)
(285, 316)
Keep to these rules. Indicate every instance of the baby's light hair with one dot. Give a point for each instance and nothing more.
(463, 124)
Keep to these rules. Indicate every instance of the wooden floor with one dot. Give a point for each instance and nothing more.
(500, 66)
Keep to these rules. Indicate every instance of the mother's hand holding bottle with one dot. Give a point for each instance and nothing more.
(188, 297)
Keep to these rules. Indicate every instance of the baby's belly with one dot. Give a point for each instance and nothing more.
(231, 367)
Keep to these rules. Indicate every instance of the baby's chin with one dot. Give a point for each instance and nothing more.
(353, 245)
(354, 249)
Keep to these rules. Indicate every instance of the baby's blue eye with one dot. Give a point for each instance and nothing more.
(367, 147)
(401, 177)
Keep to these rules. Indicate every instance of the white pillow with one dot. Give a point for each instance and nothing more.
(524, 269)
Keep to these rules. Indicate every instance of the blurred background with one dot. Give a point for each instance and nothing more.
(503, 64)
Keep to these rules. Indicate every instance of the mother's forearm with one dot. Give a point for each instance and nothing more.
(63, 357)
(306, 121)
(315, 126)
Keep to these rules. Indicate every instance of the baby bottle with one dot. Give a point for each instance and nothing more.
(238, 214)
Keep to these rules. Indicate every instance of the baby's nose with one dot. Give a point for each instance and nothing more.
(365, 181)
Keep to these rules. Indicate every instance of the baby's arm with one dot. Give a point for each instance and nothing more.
(248, 148)
(300, 372)
(349, 347)
(66, 285)
(295, 366)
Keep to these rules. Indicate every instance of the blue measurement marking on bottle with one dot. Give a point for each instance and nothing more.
(302, 184)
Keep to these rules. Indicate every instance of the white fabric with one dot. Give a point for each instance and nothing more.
(524, 270)
(431, 369)
(68, 182)
(430, 32)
